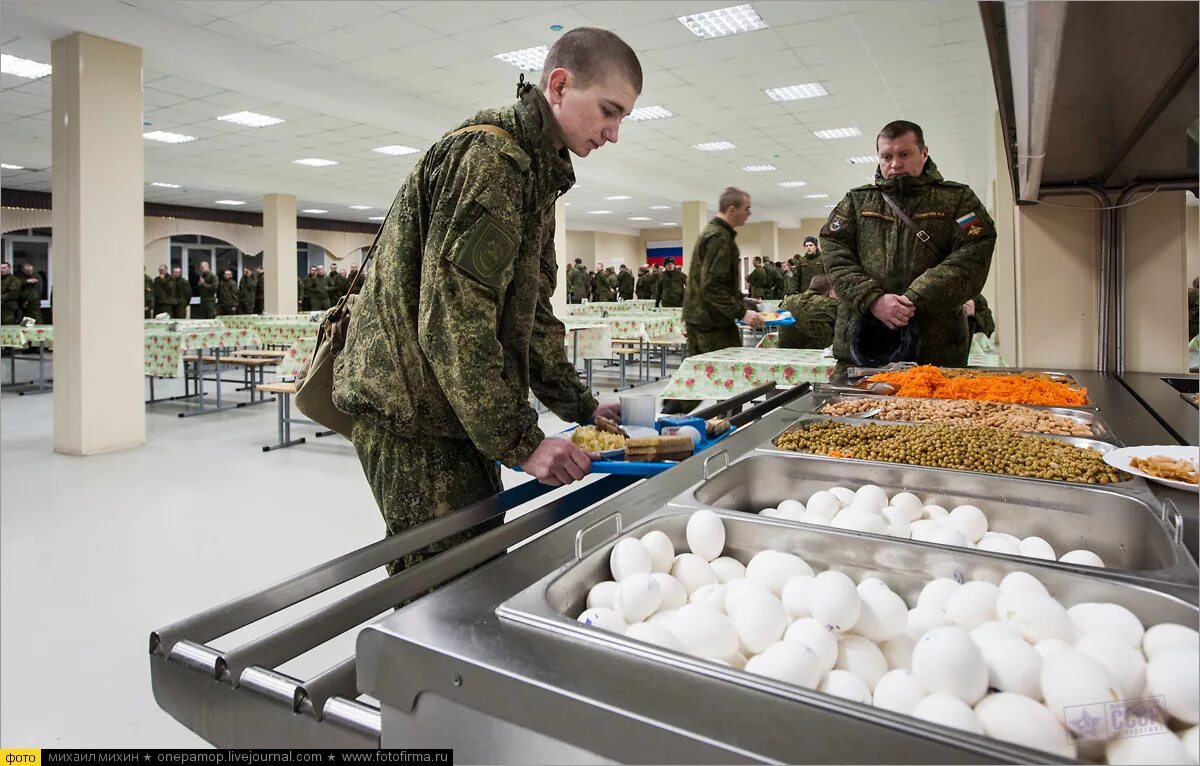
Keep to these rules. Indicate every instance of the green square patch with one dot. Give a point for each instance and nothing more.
(487, 252)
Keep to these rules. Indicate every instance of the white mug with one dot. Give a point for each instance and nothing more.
(639, 410)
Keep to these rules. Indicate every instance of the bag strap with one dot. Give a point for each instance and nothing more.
(921, 234)
(495, 130)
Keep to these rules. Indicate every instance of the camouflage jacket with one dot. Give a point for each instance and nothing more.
(815, 316)
(454, 325)
(983, 321)
(606, 287)
(868, 251)
(714, 301)
(810, 266)
(789, 283)
(182, 290)
(31, 290)
(645, 285)
(578, 283)
(227, 292)
(206, 286)
(247, 290)
(625, 285)
(318, 287)
(148, 284)
(164, 291)
(758, 282)
(10, 288)
(670, 288)
(776, 277)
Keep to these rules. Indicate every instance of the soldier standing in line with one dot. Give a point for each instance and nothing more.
(164, 291)
(773, 273)
(789, 279)
(227, 294)
(815, 311)
(148, 297)
(625, 283)
(671, 286)
(455, 326)
(643, 288)
(260, 291)
(810, 263)
(606, 284)
(206, 286)
(578, 284)
(10, 295)
(337, 285)
(318, 290)
(247, 289)
(350, 277)
(594, 280)
(183, 294)
(31, 293)
(904, 254)
(758, 280)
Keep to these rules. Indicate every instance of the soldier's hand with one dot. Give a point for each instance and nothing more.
(557, 461)
(969, 308)
(612, 411)
(754, 319)
(893, 310)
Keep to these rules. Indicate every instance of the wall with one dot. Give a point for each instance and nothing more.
(1155, 279)
(616, 249)
(582, 245)
(791, 241)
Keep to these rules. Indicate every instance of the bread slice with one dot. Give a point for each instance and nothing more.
(655, 448)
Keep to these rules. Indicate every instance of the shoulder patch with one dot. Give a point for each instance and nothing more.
(488, 250)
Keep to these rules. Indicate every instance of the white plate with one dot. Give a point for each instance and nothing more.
(1119, 458)
(635, 432)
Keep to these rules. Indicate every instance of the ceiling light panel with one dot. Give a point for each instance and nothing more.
(231, 202)
(314, 210)
(527, 60)
(759, 168)
(6, 166)
(639, 218)
(599, 212)
(660, 207)
(793, 184)
(20, 67)
(816, 196)
(360, 207)
(167, 137)
(723, 21)
(797, 92)
(826, 135)
(396, 150)
(251, 119)
(714, 146)
(864, 159)
(162, 185)
(618, 196)
(649, 113)
(315, 162)
(376, 218)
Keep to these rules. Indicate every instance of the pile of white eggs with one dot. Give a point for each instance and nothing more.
(1007, 661)
(869, 509)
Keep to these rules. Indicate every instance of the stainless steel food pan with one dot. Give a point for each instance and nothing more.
(551, 604)
(1128, 531)
(1054, 375)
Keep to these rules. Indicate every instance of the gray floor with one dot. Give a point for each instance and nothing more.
(96, 552)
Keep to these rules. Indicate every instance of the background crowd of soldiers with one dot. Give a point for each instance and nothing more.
(171, 292)
(20, 294)
(664, 284)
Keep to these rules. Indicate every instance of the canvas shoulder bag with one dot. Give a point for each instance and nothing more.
(314, 383)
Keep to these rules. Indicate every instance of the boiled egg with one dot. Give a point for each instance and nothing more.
(970, 521)
(883, 616)
(602, 594)
(1168, 635)
(862, 658)
(795, 596)
(1082, 558)
(843, 495)
(898, 651)
(1035, 616)
(824, 504)
(936, 593)
(728, 569)
(1036, 547)
(654, 634)
(760, 622)
(922, 619)
(1174, 674)
(844, 684)
(1013, 666)
(948, 661)
(710, 595)
(704, 631)
(871, 496)
(693, 572)
(1022, 721)
(706, 534)
(1070, 679)
(629, 556)
(674, 595)
(947, 710)
(833, 600)
(791, 509)
(638, 596)
(909, 503)
(899, 690)
(788, 661)
(934, 512)
(662, 552)
(1090, 617)
(817, 637)
(973, 604)
(604, 619)
(774, 568)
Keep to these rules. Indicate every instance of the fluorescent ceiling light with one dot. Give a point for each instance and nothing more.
(797, 92)
(660, 207)
(792, 184)
(314, 162)
(527, 59)
(234, 202)
(163, 185)
(360, 207)
(251, 119)
(395, 150)
(23, 67)
(168, 137)
(639, 218)
(830, 207)
(649, 113)
(837, 133)
(6, 166)
(618, 196)
(566, 204)
(315, 210)
(669, 223)
(376, 218)
(759, 168)
(863, 160)
(723, 21)
(714, 146)
(816, 196)
(599, 212)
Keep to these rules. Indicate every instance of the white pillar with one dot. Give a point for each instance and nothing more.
(768, 241)
(559, 300)
(279, 253)
(693, 217)
(97, 155)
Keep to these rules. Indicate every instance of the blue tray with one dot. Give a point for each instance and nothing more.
(624, 468)
(781, 322)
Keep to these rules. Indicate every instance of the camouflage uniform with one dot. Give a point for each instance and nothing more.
(644, 286)
(775, 292)
(30, 301)
(578, 284)
(260, 291)
(810, 266)
(318, 292)
(350, 286)
(868, 251)
(227, 296)
(815, 316)
(759, 282)
(337, 287)
(302, 293)
(454, 324)
(670, 288)
(147, 298)
(207, 287)
(625, 284)
(10, 299)
(714, 304)
(247, 291)
(789, 283)
(164, 293)
(183, 296)
(606, 286)
(982, 321)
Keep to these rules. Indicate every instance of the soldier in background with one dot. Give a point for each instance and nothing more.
(979, 316)
(578, 283)
(354, 288)
(247, 291)
(625, 283)
(10, 295)
(671, 286)
(183, 294)
(30, 300)
(227, 294)
(148, 296)
(260, 291)
(302, 293)
(815, 312)
(206, 286)
(318, 290)
(164, 291)
(758, 280)
(789, 279)
(337, 285)
(606, 284)
(643, 288)
(809, 263)
(773, 273)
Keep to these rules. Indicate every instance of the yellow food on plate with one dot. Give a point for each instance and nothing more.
(1174, 469)
(594, 440)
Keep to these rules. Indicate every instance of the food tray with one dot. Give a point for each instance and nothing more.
(785, 318)
(1128, 531)
(625, 468)
(550, 604)
(823, 395)
(1099, 446)
(1055, 375)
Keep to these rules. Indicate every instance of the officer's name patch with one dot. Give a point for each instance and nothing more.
(929, 214)
(488, 250)
(967, 221)
(836, 223)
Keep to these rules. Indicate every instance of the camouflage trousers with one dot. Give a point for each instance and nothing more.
(702, 342)
(416, 479)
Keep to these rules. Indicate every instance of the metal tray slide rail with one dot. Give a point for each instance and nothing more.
(1139, 538)
(550, 605)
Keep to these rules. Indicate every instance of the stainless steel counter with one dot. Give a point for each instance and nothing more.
(1179, 418)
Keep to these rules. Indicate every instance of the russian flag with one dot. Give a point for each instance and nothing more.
(966, 221)
(657, 252)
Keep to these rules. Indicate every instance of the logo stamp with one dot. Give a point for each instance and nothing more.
(1115, 720)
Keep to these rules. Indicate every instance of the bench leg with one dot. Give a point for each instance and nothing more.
(284, 425)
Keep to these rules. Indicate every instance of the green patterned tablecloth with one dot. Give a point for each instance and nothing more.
(183, 325)
(731, 371)
(297, 355)
(254, 320)
(164, 350)
(17, 336)
(599, 307)
(588, 341)
(285, 332)
(629, 328)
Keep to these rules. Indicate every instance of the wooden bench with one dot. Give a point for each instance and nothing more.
(253, 371)
(283, 395)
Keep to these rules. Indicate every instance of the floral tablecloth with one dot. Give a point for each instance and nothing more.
(731, 371)
(642, 327)
(183, 325)
(17, 336)
(297, 355)
(164, 350)
(588, 341)
(599, 307)
(254, 320)
(982, 354)
(285, 332)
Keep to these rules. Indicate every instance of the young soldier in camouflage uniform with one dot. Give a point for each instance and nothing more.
(318, 290)
(625, 283)
(351, 275)
(878, 266)
(260, 291)
(164, 291)
(206, 286)
(789, 280)
(454, 325)
(30, 300)
(227, 294)
(606, 285)
(671, 286)
(643, 288)
(809, 263)
(10, 295)
(183, 294)
(758, 280)
(772, 269)
(247, 288)
(578, 284)
(815, 311)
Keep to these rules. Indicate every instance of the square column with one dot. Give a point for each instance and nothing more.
(98, 218)
(693, 217)
(559, 300)
(768, 241)
(279, 253)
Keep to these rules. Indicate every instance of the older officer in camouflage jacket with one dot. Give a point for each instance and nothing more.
(879, 266)
(454, 325)
(579, 284)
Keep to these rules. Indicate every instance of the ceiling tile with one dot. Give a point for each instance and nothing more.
(779, 13)
(333, 13)
(269, 19)
(247, 35)
(453, 16)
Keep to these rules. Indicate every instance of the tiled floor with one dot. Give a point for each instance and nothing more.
(96, 552)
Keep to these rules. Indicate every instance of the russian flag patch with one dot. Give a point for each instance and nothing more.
(967, 221)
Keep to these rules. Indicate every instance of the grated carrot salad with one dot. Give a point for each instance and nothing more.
(929, 381)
